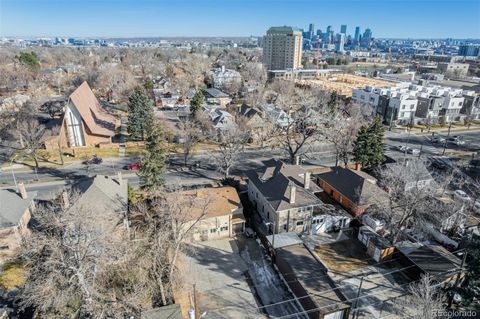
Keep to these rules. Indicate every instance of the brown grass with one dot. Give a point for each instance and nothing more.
(343, 256)
(12, 276)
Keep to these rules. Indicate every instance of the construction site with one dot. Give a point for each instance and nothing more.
(343, 84)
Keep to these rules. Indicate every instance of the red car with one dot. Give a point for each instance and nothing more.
(134, 167)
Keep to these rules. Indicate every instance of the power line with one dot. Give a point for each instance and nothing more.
(315, 295)
(352, 299)
(314, 276)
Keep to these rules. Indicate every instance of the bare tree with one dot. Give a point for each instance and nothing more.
(304, 121)
(254, 75)
(195, 66)
(164, 226)
(190, 135)
(409, 201)
(231, 144)
(79, 261)
(426, 299)
(341, 129)
(116, 79)
(32, 135)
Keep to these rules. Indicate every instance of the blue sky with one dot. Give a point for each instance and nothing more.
(136, 18)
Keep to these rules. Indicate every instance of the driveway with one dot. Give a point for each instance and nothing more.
(234, 278)
(221, 280)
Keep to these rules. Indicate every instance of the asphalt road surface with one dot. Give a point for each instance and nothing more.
(202, 170)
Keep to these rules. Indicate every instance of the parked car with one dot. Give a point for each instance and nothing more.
(457, 140)
(134, 167)
(437, 139)
(461, 195)
(94, 160)
(413, 151)
(401, 148)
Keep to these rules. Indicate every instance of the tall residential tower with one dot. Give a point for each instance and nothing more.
(282, 48)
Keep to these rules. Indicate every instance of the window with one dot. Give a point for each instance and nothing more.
(213, 230)
(299, 223)
(224, 228)
(284, 226)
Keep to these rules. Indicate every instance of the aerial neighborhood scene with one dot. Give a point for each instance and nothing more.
(241, 159)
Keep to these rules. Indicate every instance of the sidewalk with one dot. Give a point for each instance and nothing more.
(440, 130)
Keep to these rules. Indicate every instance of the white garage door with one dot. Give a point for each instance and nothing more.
(334, 315)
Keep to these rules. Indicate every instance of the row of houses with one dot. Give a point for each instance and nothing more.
(220, 217)
(409, 103)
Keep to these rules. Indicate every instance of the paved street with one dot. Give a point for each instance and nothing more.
(423, 143)
(47, 181)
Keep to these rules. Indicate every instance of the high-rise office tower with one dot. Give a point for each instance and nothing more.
(367, 38)
(282, 48)
(311, 30)
(343, 29)
(340, 42)
(356, 38)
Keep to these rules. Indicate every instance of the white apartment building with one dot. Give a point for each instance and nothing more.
(282, 48)
(406, 101)
(452, 106)
(223, 78)
(404, 107)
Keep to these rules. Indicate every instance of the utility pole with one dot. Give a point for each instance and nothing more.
(194, 302)
(356, 298)
(446, 140)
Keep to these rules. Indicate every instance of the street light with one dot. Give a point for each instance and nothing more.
(11, 169)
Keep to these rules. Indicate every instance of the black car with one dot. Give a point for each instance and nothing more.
(94, 160)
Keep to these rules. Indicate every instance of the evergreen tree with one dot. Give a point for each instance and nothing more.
(140, 114)
(196, 103)
(30, 60)
(332, 103)
(369, 148)
(471, 290)
(153, 163)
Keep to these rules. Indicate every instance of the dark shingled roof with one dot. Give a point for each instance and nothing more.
(299, 268)
(432, 259)
(215, 93)
(357, 186)
(275, 180)
(248, 111)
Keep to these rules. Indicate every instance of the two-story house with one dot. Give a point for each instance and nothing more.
(284, 196)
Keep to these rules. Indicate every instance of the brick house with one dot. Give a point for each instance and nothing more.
(354, 190)
(83, 122)
(15, 214)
